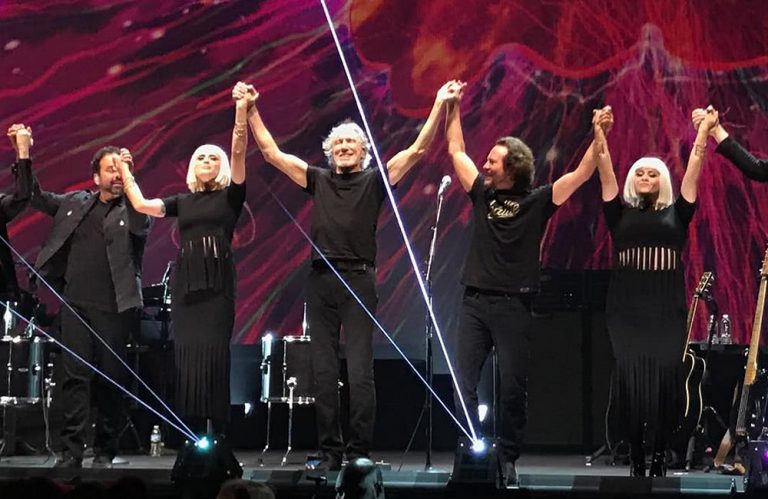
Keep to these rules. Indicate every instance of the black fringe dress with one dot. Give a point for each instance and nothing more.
(203, 299)
(646, 315)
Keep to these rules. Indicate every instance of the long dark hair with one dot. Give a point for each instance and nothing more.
(518, 163)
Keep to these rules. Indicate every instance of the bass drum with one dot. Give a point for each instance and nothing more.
(27, 366)
(286, 369)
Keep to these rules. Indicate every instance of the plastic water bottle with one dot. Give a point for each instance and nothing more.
(156, 442)
(725, 330)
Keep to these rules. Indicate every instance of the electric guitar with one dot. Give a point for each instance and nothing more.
(751, 407)
(695, 366)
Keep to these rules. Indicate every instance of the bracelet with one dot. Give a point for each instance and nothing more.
(240, 129)
(129, 183)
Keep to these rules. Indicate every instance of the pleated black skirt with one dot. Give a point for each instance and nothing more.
(202, 328)
(647, 327)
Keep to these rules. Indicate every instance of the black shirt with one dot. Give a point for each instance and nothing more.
(508, 227)
(637, 227)
(346, 212)
(207, 222)
(88, 277)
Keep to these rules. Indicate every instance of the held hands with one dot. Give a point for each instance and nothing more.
(602, 121)
(452, 91)
(21, 139)
(244, 94)
(126, 158)
(709, 118)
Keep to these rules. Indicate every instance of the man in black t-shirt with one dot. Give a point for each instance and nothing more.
(347, 199)
(501, 272)
(93, 255)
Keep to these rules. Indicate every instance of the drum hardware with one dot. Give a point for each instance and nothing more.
(286, 379)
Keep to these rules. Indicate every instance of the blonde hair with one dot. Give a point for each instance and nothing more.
(224, 177)
(666, 196)
(346, 129)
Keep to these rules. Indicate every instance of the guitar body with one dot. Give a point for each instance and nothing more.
(695, 367)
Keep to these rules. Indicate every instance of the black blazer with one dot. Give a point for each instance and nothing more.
(10, 206)
(756, 169)
(125, 231)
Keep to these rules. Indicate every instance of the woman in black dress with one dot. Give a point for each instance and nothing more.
(646, 309)
(203, 288)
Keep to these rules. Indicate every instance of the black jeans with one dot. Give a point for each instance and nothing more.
(330, 307)
(504, 322)
(81, 384)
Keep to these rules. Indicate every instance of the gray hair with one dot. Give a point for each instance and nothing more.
(347, 129)
(666, 196)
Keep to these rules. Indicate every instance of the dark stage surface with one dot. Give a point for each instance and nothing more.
(541, 475)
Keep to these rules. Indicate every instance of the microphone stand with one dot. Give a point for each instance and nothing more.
(429, 333)
(427, 407)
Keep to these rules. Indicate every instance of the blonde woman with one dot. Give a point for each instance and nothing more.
(646, 309)
(203, 290)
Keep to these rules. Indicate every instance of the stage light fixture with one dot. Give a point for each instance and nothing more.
(479, 446)
(476, 464)
(202, 466)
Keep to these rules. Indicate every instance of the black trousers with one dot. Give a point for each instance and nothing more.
(82, 386)
(504, 322)
(330, 307)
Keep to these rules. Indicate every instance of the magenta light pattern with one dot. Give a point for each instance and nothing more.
(156, 76)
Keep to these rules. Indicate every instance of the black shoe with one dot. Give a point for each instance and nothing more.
(510, 474)
(658, 465)
(68, 462)
(637, 468)
(102, 461)
(320, 470)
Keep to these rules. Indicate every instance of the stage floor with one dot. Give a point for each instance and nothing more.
(404, 476)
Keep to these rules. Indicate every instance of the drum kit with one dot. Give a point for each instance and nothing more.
(26, 355)
(286, 378)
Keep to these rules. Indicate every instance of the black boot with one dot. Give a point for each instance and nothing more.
(659, 464)
(637, 455)
(636, 460)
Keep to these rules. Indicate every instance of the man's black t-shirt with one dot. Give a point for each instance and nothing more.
(508, 227)
(346, 211)
(88, 277)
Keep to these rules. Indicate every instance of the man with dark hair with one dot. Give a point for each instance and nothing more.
(13, 204)
(501, 273)
(93, 255)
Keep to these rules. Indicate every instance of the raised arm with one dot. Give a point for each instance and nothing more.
(151, 207)
(14, 203)
(688, 187)
(567, 184)
(294, 167)
(752, 167)
(465, 168)
(401, 162)
(240, 133)
(602, 122)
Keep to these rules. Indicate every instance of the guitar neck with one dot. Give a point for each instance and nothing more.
(754, 343)
(689, 322)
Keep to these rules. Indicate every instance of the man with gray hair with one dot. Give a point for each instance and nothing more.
(347, 199)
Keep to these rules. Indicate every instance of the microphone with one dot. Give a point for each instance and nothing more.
(444, 183)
